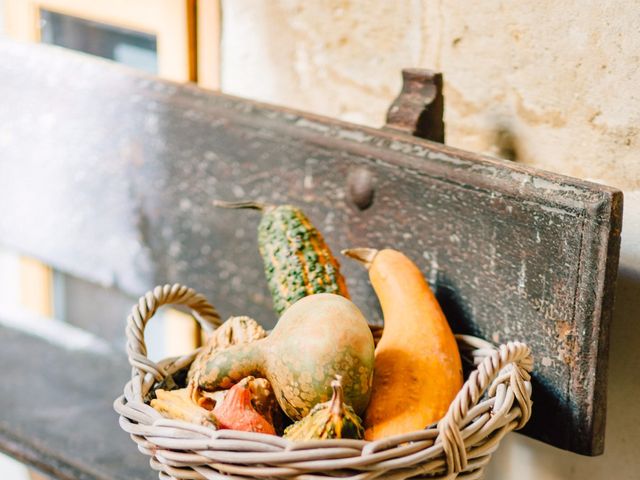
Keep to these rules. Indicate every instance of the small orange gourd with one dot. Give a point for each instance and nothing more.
(418, 370)
(236, 412)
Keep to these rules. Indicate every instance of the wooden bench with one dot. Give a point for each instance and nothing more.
(109, 175)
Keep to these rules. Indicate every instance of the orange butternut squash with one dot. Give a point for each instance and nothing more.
(417, 369)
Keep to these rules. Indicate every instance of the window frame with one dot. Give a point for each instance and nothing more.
(172, 22)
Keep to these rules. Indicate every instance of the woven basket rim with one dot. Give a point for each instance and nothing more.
(460, 444)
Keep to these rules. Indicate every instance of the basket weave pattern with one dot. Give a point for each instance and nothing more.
(495, 399)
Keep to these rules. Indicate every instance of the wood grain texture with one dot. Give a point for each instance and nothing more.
(109, 175)
(62, 422)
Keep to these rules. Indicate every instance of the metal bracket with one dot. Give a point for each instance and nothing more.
(419, 108)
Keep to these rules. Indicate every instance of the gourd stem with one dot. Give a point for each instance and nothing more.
(338, 396)
(362, 255)
(252, 205)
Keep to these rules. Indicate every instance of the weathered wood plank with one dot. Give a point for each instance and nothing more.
(56, 411)
(109, 174)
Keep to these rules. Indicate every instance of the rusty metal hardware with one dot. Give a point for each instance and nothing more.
(419, 108)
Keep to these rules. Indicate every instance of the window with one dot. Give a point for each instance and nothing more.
(136, 49)
(157, 36)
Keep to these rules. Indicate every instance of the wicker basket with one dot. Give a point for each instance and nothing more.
(459, 446)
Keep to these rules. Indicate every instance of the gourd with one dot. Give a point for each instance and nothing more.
(177, 404)
(297, 260)
(263, 400)
(332, 419)
(418, 370)
(236, 412)
(235, 331)
(318, 337)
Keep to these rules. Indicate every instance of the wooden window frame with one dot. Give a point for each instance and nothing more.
(209, 37)
(172, 22)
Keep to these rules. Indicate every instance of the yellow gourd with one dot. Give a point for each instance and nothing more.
(418, 370)
(332, 419)
(177, 404)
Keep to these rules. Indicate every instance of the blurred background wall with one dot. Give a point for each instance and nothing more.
(550, 84)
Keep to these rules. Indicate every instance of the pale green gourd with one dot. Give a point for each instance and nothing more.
(317, 338)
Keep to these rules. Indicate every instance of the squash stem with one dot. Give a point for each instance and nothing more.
(252, 205)
(362, 255)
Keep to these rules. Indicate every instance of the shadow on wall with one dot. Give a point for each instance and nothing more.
(526, 459)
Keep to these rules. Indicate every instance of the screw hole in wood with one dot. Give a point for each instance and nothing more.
(360, 183)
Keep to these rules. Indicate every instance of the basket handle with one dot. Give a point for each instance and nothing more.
(516, 354)
(146, 307)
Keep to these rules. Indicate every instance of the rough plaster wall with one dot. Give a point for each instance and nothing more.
(560, 78)
(335, 58)
(553, 84)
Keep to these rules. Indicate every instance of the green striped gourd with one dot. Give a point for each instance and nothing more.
(297, 260)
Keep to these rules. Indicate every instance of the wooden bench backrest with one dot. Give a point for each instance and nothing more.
(110, 175)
